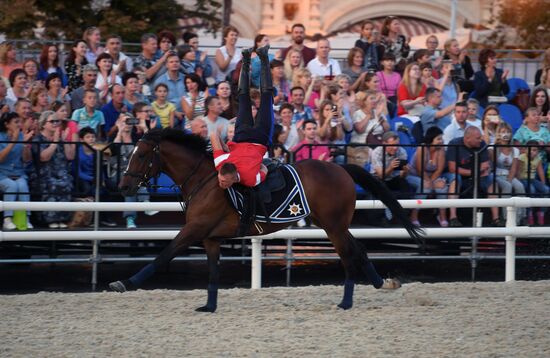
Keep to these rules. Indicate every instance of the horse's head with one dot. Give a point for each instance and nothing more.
(144, 164)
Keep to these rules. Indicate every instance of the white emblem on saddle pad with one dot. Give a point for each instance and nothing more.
(295, 209)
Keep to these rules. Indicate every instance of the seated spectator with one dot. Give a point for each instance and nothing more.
(8, 59)
(260, 40)
(132, 94)
(489, 81)
(411, 91)
(355, 69)
(431, 45)
(309, 147)
(372, 83)
(203, 66)
(489, 122)
(277, 150)
(106, 76)
(146, 61)
(39, 100)
(89, 116)
(6, 104)
(23, 109)
(301, 112)
(85, 172)
(74, 64)
(280, 85)
(544, 68)
(89, 75)
(531, 174)
(531, 130)
(214, 122)
(13, 156)
(18, 83)
(369, 44)
(292, 62)
(458, 125)
(389, 78)
(297, 35)
(302, 78)
(223, 91)
(112, 110)
(290, 129)
(164, 109)
(146, 116)
(228, 55)
(49, 63)
(193, 102)
(369, 121)
(186, 54)
(434, 116)
(460, 162)
(52, 177)
(331, 123)
(121, 62)
(55, 91)
(92, 36)
(473, 113)
(540, 100)
(322, 65)
(175, 80)
(462, 70)
(348, 96)
(62, 112)
(394, 42)
(31, 69)
(166, 42)
(426, 76)
(506, 165)
(428, 163)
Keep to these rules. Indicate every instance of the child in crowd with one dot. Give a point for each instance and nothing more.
(531, 174)
(163, 109)
(88, 116)
(86, 162)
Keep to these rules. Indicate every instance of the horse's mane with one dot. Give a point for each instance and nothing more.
(192, 142)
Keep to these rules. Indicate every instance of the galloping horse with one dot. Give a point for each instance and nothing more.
(210, 218)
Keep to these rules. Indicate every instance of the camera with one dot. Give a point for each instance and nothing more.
(402, 163)
(131, 120)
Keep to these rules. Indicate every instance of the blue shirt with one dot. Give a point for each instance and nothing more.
(13, 165)
(306, 114)
(81, 117)
(176, 88)
(110, 115)
(255, 68)
(86, 165)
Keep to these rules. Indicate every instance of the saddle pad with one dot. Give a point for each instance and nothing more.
(287, 205)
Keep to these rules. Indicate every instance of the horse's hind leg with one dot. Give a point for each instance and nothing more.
(212, 248)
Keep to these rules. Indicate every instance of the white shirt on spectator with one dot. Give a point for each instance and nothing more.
(453, 131)
(121, 57)
(332, 68)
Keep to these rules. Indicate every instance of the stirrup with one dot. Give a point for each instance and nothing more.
(391, 284)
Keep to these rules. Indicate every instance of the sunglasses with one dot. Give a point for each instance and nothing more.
(55, 121)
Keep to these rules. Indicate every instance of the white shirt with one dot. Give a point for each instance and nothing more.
(221, 75)
(453, 131)
(318, 69)
(121, 57)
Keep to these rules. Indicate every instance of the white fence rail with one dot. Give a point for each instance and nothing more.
(510, 232)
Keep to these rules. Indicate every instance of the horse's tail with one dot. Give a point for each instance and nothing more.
(379, 189)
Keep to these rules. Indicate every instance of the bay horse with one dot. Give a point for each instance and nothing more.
(210, 218)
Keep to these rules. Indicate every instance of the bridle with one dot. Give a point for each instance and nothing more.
(144, 178)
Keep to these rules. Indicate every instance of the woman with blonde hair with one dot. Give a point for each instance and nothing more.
(292, 62)
(39, 100)
(302, 78)
(8, 59)
(92, 36)
(410, 93)
(545, 67)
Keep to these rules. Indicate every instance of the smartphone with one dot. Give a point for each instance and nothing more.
(402, 163)
(494, 119)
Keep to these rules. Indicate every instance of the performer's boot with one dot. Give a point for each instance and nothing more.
(266, 83)
(244, 78)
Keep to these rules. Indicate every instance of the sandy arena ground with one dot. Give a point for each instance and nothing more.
(418, 320)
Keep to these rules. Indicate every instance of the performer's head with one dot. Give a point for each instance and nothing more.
(227, 175)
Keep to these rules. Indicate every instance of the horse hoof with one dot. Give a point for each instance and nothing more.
(345, 305)
(391, 284)
(117, 286)
(206, 309)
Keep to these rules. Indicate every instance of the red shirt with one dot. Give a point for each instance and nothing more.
(403, 94)
(247, 157)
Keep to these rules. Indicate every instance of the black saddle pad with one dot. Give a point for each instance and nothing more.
(282, 195)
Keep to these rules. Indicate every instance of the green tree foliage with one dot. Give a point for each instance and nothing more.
(531, 19)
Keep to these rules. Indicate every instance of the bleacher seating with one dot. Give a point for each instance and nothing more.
(511, 115)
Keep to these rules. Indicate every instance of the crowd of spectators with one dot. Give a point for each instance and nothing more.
(58, 110)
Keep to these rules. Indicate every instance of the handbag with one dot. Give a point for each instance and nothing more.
(521, 99)
(374, 140)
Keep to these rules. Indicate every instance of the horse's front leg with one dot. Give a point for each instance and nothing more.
(187, 236)
(212, 248)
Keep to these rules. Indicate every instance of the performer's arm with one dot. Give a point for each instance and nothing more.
(216, 142)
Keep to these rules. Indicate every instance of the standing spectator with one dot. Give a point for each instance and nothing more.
(202, 61)
(544, 66)
(432, 42)
(540, 101)
(13, 180)
(322, 64)
(31, 69)
(228, 55)
(473, 113)
(193, 102)
(411, 91)
(132, 94)
(18, 83)
(458, 126)
(112, 110)
(121, 62)
(49, 63)
(301, 112)
(163, 109)
(368, 43)
(309, 147)
(531, 174)
(434, 116)
(52, 177)
(461, 64)
(260, 40)
(389, 78)
(8, 59)
(223, 91)
(297, 35)
(394, 42)
(92, 36)
(174, 80)
(489, 81)
(460, 161)
(147, 60)
(355, 69)
(292, 61)
(55, 90)
(106, 76)
(489, 122)
(75, 63)
(89, 75)
(216, 124)
(89, 116)
(6, 104)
